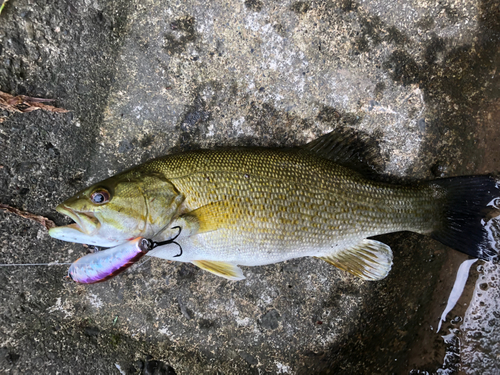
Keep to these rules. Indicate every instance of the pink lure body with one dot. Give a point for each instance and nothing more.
(105, 264)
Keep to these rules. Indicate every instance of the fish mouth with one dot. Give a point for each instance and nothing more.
(84, 222)
(84, 229)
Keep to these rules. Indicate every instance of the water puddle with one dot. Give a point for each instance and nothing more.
(469, 340)
(480, 334)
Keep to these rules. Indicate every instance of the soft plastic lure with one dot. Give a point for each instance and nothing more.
(103, 265)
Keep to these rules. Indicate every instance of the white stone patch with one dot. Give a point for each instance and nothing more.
(282, 368)
(137, 110)
(243, 322)
(59, 306)
(252, 21)
(211, 130)
(165, 331)
(95, 301)
(41, 234)
(266, 299)
(237, 125)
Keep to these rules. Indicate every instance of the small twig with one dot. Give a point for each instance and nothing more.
(3, 5)
(23, 103)
(47, 223)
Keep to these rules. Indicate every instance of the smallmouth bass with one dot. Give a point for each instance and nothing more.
(257, 206)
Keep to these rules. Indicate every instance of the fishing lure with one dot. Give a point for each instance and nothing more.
(103, 265)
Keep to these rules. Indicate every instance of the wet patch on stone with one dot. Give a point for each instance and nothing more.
(254, 5)
(300, 7)
(455, 82)
(154, 367)
(333, 116)
(183, 33)
(270, 320)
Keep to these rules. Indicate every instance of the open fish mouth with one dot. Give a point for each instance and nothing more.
(84, 222)
(85, 229)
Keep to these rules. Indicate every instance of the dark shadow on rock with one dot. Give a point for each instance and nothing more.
(79, 77)
(380, 338)
(153, 367)
(183, 32)
(455, 83)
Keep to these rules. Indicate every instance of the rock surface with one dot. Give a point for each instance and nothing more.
(146, 78)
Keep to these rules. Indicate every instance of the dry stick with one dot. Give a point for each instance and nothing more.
(47, 223)
(23, 103)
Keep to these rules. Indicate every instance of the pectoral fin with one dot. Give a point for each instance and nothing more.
(227, 270)
(213, 216)
(369, 260)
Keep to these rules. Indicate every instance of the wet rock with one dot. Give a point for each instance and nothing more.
(157, 368)
(255, 5)
(249, 358)
(4, 353)
(12, 357)
(139, 364)
(91, 331)
(270, 320)
(300, 7)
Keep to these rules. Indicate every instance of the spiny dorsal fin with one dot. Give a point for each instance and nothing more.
(368, 259)
(223, 269)
(350, 148)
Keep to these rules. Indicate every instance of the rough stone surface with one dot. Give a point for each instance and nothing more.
(146, 78)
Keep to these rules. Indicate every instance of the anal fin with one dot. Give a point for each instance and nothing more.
(223, 269)
(368, 259)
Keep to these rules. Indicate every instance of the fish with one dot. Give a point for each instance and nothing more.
(238, 206)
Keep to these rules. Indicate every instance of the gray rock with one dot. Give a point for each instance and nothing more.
(146, 78)
(270, 320)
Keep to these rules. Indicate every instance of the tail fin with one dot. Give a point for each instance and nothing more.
(469, 205)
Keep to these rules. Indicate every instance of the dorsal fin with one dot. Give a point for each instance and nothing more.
(350, 148)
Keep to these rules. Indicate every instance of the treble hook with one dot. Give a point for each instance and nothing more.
(152, 244)
(167, 242)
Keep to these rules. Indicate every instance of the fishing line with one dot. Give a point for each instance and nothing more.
(33, 264)
(55, 263)
(152, 244)
(141, 264)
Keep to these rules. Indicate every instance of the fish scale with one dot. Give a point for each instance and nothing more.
(309, 211)
(255, 206)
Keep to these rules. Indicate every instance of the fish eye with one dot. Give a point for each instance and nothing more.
(100, 196)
